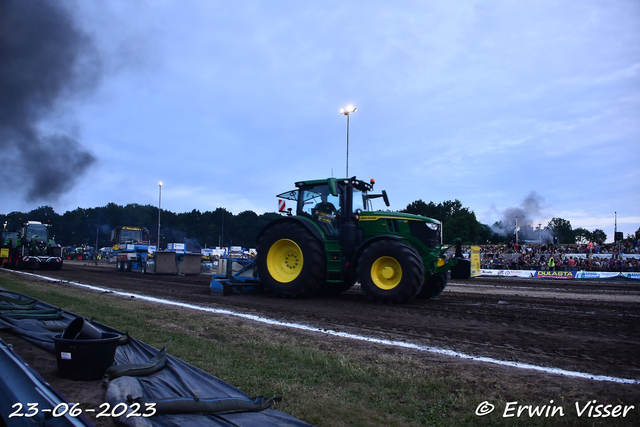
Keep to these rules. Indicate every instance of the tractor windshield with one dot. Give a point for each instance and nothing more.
(318, 198)
(323, 207)
(134, 236)
(37, 231)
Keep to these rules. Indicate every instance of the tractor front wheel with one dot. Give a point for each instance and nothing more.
(433, 286)
(390, 272)
(291, 262)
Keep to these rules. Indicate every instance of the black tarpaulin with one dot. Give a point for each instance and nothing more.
(177, 380)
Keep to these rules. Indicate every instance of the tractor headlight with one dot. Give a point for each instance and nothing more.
(432, 226)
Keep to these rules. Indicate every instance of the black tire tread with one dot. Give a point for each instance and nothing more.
(413, 271)
(433, 286)
(311, 278)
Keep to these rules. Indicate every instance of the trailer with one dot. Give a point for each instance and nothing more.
(175, 260)
(161, 262)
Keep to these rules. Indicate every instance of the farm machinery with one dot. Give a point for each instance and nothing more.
(7, 243)
(335, 239)
(130, 248)
(30, 246)
(78, 253)
(133, 252)
(175, 260)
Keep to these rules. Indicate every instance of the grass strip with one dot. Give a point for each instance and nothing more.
(319, 384)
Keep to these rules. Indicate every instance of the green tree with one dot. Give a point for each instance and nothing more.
(457, 221)
(562, 229)
(582, 235)
(488, 236)
(598, 236)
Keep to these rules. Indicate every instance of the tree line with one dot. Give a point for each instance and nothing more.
(223, 228)
(197, 229)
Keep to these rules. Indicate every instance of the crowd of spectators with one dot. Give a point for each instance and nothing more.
(610, 257)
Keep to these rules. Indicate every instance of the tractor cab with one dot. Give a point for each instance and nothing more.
(128, 235)
(35, 235)
(121, 237)
(332, 202)
(35, 230)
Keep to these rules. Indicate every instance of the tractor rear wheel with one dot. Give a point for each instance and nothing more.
(12, 256)
(433, 286)
(390, 272)
(13, 260)
(21, 252)
(291, 262)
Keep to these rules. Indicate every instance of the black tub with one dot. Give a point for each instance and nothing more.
(80, 359)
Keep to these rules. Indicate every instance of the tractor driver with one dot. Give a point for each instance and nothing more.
(325, 208)
(326, 214)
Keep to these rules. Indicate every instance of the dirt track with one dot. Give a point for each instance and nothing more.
(588, 327)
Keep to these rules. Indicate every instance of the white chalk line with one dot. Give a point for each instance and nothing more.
(393, 343)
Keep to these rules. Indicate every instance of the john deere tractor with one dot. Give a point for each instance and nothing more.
(333, 241)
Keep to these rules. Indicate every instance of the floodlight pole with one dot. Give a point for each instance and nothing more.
(159, 207)
(347, 111)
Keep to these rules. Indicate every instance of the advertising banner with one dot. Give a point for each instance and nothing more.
(583, 275)
(596, 274)
(555, 274)
(508, 273)
(475, 261)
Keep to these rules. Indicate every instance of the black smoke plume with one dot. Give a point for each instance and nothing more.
(45, 58)
(527, 213)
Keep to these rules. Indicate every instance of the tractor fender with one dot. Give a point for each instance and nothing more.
(313, 229)
(353, 267)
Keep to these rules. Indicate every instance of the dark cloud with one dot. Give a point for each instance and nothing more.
(45, 58)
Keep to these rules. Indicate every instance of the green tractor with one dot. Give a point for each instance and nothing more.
(34, 247)
(334, 241)
(8, 240)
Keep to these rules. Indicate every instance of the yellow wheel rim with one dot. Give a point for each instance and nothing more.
(386, 272)
(284, 260)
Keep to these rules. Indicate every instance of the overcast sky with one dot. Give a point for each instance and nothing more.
(507, 106)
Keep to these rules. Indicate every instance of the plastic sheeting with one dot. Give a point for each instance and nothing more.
(177, 379)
